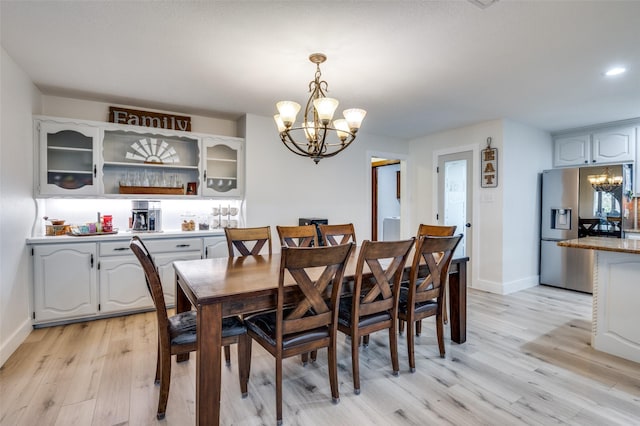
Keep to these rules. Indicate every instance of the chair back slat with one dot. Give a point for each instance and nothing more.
(314, 271)
(334, 235)
(239, 238)
(298, 236)
(386, 260)
(436, 253)
(436, 230)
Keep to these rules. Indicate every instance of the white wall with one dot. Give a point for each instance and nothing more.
(80, 109)
(486, 262)
(505, 222)
(282, 187)
(527, 152)
(20, 99)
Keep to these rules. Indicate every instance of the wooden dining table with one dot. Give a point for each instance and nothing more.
(224, 287)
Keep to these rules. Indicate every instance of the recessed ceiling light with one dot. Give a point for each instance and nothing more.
(615, 71)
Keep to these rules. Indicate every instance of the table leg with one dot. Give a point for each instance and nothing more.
(208, 360)
(458, 303)
(182, 305)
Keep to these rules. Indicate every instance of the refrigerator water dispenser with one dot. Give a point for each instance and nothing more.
(560, 218)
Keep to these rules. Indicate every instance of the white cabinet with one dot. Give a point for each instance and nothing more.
(614, 145)
(572, 150)
(164, 263)
(79, 158)
(164, 253)
(606, 146)
(64, 281)
(223, 165)
(215, 247)
(86, 280)
(122, 283)
(68, 157)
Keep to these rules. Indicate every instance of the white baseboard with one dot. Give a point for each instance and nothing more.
(508, 287)
(10, 345)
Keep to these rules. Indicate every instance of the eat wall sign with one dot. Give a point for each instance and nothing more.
(136, 117)
(489, 166)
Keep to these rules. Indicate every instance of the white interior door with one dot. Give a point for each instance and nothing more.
(455, 196)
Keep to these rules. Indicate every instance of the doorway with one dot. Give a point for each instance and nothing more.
(455, 196)
(385, 199)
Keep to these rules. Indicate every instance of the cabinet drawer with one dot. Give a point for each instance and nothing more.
(115, 248)
(174, 245)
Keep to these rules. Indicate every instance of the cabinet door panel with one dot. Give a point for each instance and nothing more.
(64, 281)
(223, 165)
(164, 263)
(68, 159)
(122, 285)
(215, 247)
(572, 151)
(614, 146)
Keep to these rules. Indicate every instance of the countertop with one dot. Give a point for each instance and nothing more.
(621, 245)
(122, 236)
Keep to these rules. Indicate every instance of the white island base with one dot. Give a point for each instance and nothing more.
(616, 294)
(616, 304)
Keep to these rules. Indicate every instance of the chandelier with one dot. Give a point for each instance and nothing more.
(315, 135)
(605, 182)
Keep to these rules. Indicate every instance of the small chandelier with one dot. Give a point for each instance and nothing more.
(605, 182)
(318, 141)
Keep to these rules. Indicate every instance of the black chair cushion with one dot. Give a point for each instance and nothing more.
(264, 325)
(182, 327)
(421, 307)
(345, 314)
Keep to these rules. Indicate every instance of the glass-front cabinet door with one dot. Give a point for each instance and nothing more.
(223, 165)
(68, 159)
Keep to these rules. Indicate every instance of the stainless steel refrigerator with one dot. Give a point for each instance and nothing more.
(562, 266)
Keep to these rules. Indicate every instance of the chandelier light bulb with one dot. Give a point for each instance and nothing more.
(288, 111)
(310, 131)
(325, 107)
(354, 117)
(342, 129)
(279, 123)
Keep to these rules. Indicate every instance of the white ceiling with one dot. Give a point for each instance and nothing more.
(417, 67)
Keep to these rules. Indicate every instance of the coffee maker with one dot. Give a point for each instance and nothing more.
(146, 216)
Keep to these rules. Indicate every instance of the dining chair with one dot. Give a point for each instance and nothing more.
(424, 296)
(337, 234)
(238, 238)
(298, 236)
(373, 304)
(257, 238)
(177, 333)
(310, 322)
(434, 231)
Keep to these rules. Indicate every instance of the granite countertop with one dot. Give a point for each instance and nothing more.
(621, 245)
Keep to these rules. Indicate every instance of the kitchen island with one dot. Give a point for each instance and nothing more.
(616, 294)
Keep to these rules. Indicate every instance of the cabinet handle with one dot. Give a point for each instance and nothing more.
(121, 249)
(183, 245)
(95, 171)
(92, 260)
(205, 175)
(593, 161)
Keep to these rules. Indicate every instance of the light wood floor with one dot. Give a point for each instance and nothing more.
(527, 360)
